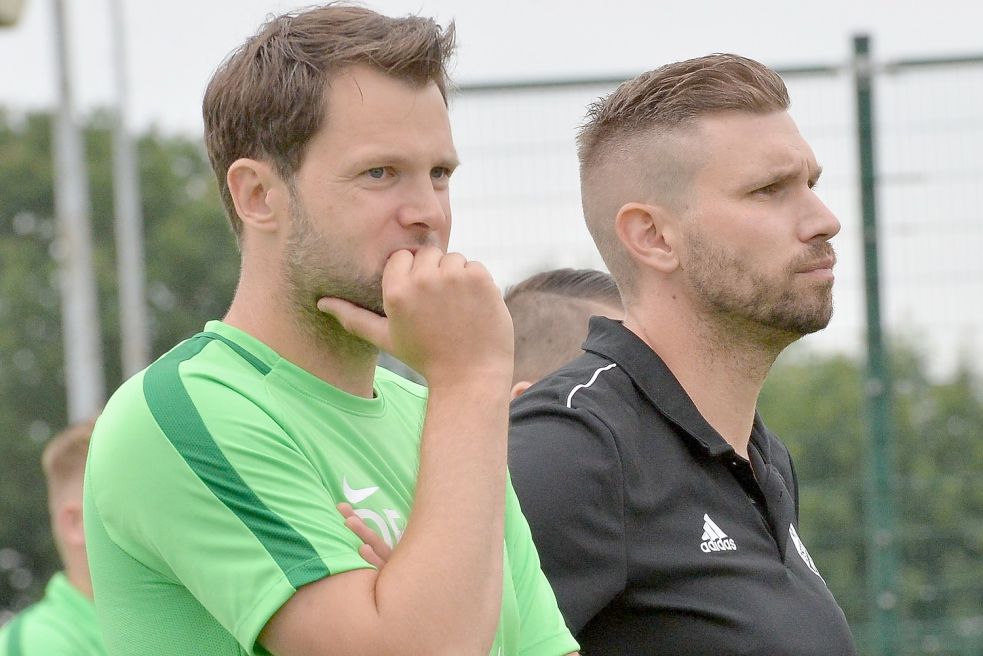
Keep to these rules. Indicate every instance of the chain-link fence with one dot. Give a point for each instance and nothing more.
(517, 203)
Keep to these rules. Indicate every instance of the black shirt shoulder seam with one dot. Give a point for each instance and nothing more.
(618, 449)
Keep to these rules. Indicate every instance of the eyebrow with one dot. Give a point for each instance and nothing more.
(449, 162)
(783, 173)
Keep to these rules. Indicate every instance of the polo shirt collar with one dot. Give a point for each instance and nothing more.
(611, 340)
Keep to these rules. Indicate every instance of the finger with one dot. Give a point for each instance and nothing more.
(453, 260)
(368, 536)
(427, 257)
(380, 549)
(475, 265)
(370, 540)
(369, 555)
(399, 262)
(357, 320)
(358, 527)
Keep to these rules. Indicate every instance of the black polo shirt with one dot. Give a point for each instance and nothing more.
(656, 536)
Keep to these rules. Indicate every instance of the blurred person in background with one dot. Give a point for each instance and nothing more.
(214, 474)
(664, 511)
(63, 623)
(550, 311)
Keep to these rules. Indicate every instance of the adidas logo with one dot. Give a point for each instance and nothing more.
(714, 539)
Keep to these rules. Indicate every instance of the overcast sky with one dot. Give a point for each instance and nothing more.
(174, 46)
(516, 199)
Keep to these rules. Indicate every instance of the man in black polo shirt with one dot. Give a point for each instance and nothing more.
(665, 513)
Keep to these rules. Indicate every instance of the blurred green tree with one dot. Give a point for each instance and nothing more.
(192, 267)
(814, 403)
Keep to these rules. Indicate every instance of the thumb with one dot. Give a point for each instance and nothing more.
(369, 555)
(358, 321)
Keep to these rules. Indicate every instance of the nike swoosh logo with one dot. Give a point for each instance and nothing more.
(357, 495)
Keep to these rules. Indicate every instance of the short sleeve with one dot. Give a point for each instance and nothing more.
(204, 489)
(543, 631)
(567, 475)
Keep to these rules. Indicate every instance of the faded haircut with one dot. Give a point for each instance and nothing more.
(63, 460)
(632, 146)
(549, 315)
(266, 101)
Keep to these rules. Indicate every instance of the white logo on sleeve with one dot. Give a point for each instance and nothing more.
(801, 548)
(356, 495)
(715, 539)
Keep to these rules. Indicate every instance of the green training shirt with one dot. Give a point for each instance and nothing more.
(210, 497)
(63, 623)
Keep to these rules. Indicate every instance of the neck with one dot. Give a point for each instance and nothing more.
(309, 339)
(721, 369)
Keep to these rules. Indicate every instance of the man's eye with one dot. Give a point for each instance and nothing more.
(378, 172)
(440, 172)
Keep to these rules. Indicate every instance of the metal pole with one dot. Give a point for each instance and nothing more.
(135, 340)
(880, 493)
(10, 11)
(84, 378)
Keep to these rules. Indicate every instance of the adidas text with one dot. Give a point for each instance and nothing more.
(720, 544)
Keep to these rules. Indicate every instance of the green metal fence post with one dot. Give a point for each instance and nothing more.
(880, 491)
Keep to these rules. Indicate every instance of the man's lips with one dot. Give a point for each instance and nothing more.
(824, 264)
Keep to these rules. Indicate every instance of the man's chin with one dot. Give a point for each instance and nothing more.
(815, 323)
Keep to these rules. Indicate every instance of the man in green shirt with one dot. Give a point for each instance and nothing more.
(63, 623)
(214, 475)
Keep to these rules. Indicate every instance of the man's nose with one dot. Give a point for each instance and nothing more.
(818, 221)
(424, 207)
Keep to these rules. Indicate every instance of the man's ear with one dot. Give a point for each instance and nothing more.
(648, 235)
(69, 519)
(259, 195)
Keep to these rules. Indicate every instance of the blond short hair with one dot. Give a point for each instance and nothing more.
(63, 460)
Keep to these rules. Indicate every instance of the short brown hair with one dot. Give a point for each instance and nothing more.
(649, 113)
(266, 100)
(549, 315)
(63, 459)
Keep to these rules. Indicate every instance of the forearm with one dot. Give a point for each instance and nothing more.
(443, 585)
(441, 590)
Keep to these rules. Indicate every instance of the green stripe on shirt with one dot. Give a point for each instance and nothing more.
(178, 418)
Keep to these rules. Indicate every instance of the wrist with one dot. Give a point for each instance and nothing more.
(486, 379)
